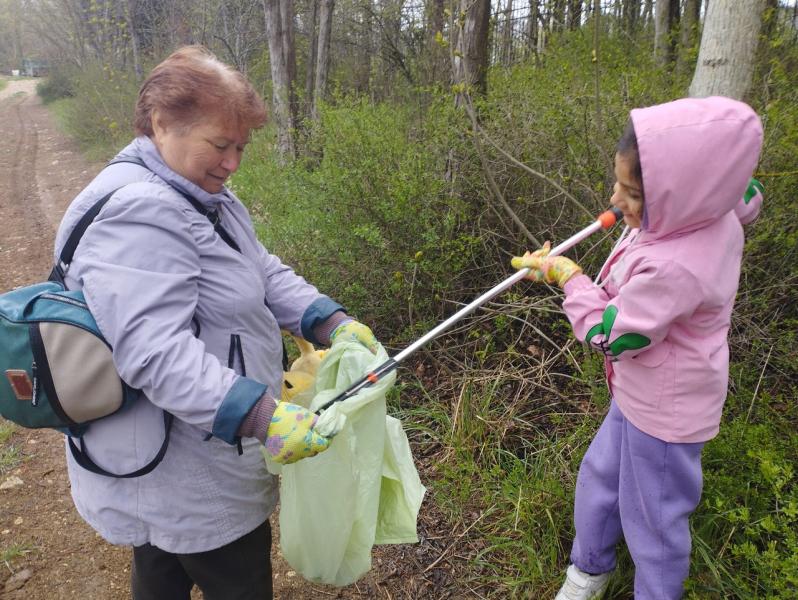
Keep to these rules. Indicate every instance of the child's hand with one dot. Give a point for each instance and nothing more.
(554, 269)
(532, 261)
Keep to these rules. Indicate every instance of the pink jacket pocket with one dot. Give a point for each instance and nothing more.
(654, 356)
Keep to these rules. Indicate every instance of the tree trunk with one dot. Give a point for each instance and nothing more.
(435, 52)
(728, 44)
(631, 13)
(507, 35)
(471, 53)
(367, 63)
(323, 54)
(532, 26)
(665, 19)
(557, 14)
(310, 69)
(289, 55)
(135, 45)
(596, 63)
(688, 33)
(648, 10)
(281, 84)
(574, 14)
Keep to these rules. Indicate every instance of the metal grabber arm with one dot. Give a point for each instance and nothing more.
(604, 221)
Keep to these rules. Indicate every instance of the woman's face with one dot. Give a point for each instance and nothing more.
(628, 192)
(206, 153)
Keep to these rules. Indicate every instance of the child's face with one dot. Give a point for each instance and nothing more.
(628, 192)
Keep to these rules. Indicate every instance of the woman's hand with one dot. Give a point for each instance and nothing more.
(291, 436)
(555, 269)
(355, 331)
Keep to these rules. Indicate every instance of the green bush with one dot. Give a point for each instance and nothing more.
(57, 85)
(372, 223)
(745, 535)
(99, 114)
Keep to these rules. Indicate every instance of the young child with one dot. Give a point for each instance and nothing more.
(661, 317)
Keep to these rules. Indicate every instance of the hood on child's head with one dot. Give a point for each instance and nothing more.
(697, 156)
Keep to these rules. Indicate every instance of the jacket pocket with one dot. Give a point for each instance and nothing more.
(654, 356)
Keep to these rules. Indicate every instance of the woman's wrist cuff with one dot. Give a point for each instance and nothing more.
(326, 327)
(257, 421)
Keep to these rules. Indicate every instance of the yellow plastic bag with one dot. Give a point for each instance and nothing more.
(364, 490)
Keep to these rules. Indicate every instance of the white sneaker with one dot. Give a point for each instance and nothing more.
(582, 586)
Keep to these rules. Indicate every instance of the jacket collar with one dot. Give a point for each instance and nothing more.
(146, 149)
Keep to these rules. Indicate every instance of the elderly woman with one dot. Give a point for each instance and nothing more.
(192, 305)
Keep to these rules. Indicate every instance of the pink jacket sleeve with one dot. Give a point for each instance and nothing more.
(654, 296)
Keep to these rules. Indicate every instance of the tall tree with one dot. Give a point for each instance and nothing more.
(557, 11)
(507, 34)
(533, 26)
(666, 17)
(289, 55)
(648, 11)
(310, 67)
(322, 54)
(728, 44)
(688, 32)
(470, 61)
(574, 14)
(631, 14)
(11, 37)
(435, 54)
(281, 84)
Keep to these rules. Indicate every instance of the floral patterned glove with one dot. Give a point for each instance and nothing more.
(555, 269)
(291, 436)
(355, 331)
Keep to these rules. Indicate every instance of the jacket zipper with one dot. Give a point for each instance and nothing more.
(35, 393)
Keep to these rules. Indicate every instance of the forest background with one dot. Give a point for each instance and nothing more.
(414, 147)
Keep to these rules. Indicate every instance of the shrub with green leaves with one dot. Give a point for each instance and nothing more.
(99, 113)
(59, 84)
(372, 223)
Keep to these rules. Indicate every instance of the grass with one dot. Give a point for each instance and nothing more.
(10, 455)
(13, 552)
(3, 83)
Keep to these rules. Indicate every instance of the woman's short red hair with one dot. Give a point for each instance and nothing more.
(192, 84)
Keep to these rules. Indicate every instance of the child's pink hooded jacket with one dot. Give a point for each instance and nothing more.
(663, 316)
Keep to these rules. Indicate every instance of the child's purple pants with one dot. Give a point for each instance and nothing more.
(638, 486)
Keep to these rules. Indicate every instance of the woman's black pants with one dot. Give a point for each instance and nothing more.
(241, 570)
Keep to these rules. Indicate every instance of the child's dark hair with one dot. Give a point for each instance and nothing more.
(627, 147)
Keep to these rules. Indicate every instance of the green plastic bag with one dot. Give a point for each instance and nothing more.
(363, 490)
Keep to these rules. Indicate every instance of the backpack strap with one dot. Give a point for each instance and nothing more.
(82, 457)
(68, 251)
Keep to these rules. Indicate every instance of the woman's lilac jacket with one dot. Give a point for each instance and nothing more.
(663, 316)
(152, 268)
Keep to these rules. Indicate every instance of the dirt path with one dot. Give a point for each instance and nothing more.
(62, 556)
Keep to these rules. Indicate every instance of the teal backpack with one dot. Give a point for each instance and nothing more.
(56, 367)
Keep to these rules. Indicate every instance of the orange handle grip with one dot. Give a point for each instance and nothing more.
(608, 218)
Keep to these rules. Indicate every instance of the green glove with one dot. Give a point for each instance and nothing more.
(555, 269)
(291, 436)
(355, 331)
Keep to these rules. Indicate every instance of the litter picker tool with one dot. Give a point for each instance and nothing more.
(604, 221)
